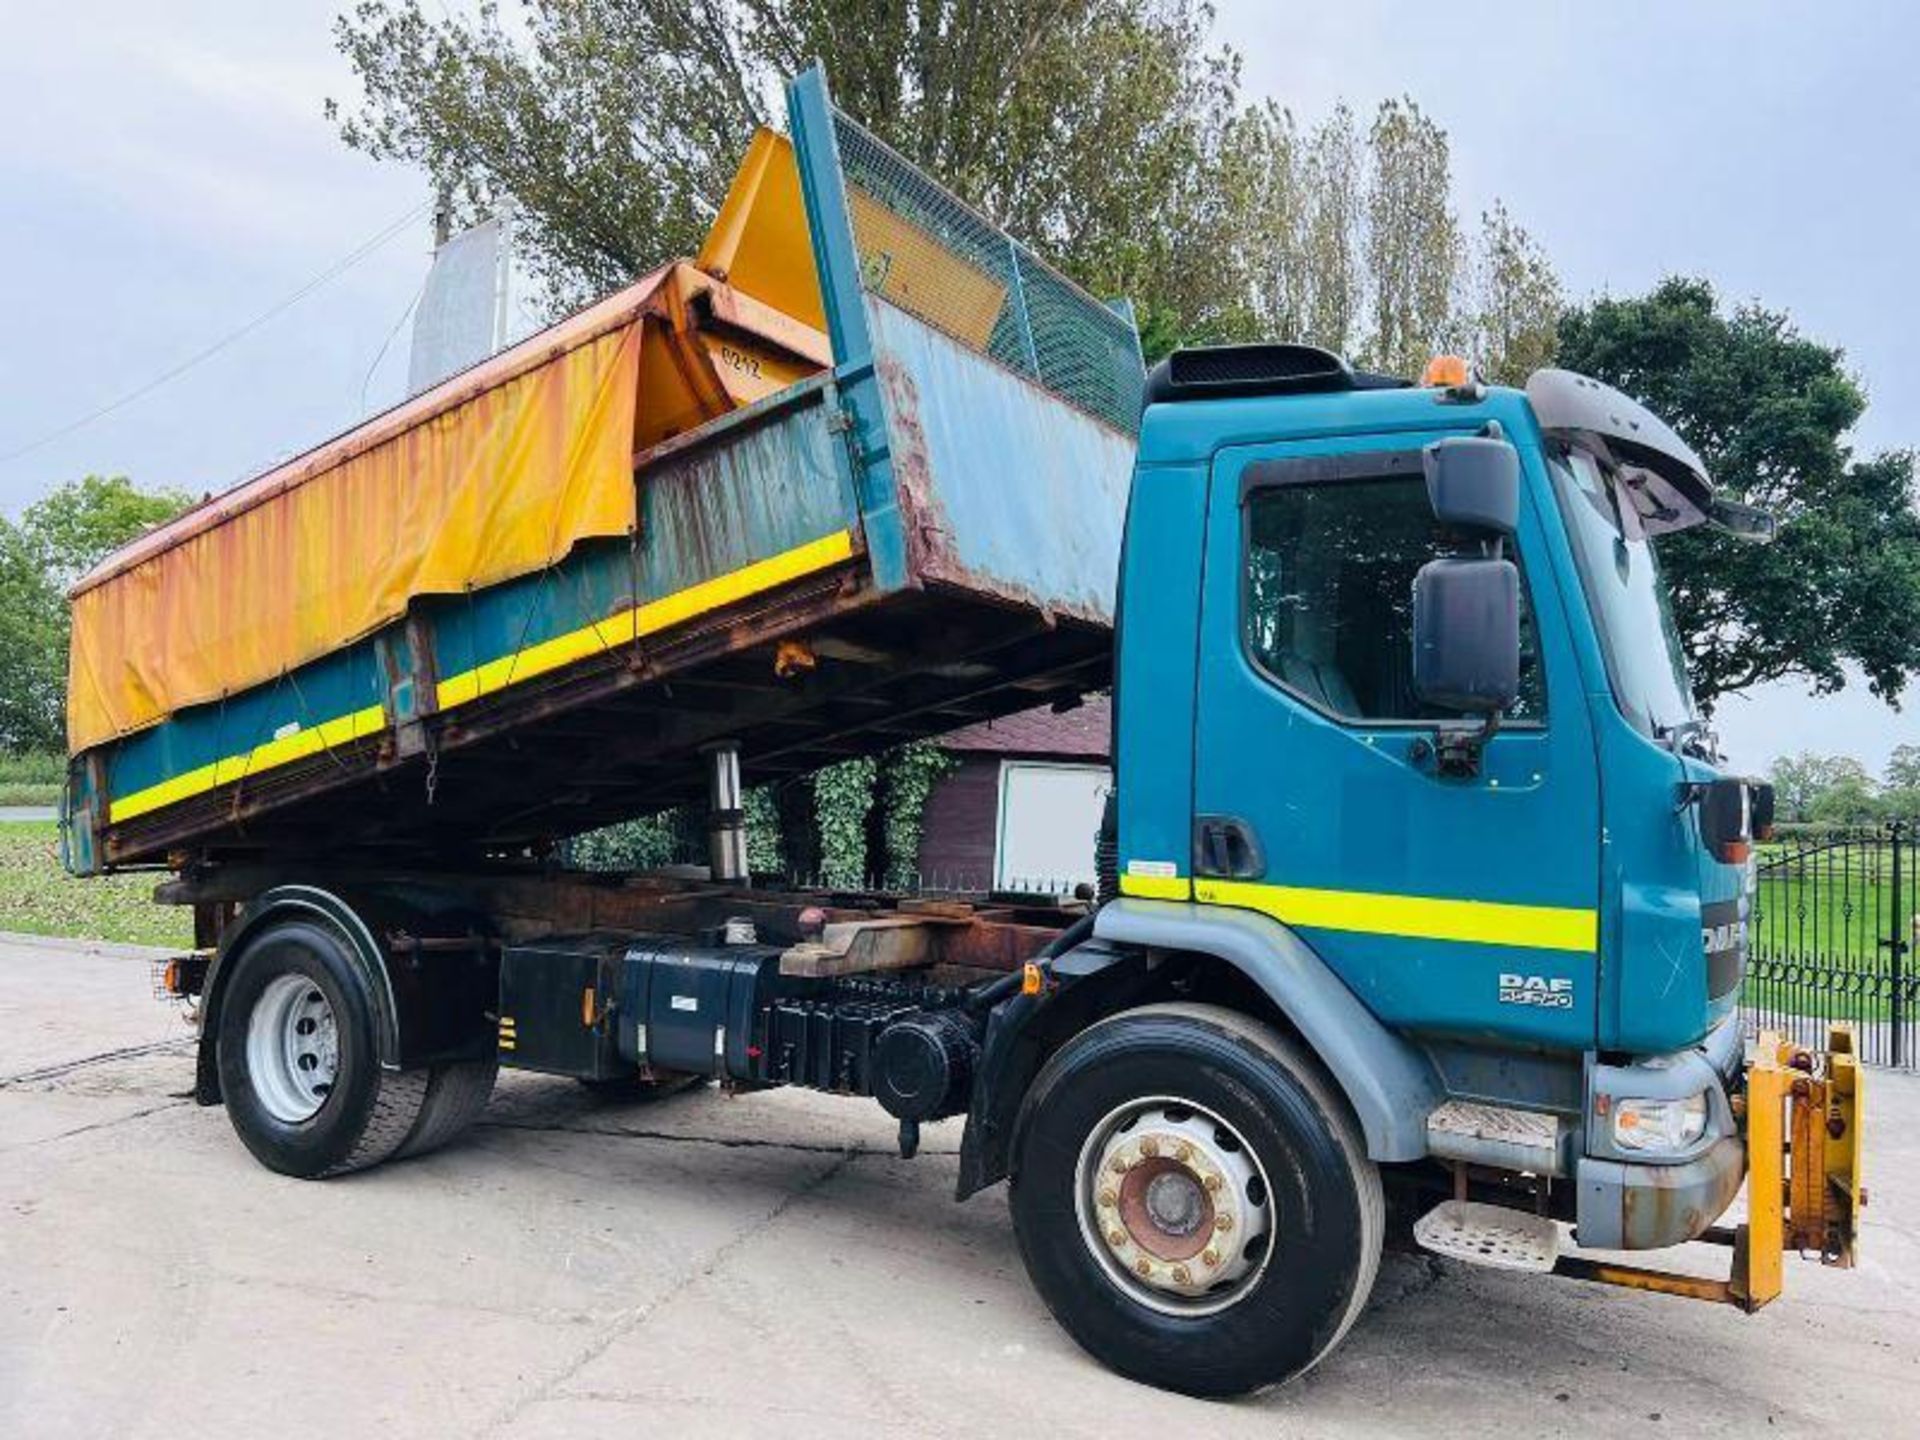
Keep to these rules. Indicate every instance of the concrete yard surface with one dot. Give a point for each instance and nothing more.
(754, 1266)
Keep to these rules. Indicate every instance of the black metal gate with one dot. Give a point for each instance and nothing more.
(1831, 937)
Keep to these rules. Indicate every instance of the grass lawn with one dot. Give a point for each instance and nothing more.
(39, 897)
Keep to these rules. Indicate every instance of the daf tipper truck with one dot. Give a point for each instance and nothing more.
(1423, 905)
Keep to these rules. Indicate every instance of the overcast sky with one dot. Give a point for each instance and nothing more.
(166, 176)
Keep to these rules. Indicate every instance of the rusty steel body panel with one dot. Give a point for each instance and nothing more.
(1002, 496)
(474, 742)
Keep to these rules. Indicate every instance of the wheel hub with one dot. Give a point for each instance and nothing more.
(1174, 1205)
(293, 1048)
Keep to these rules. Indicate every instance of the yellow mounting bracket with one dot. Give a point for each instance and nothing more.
(1803, 1113)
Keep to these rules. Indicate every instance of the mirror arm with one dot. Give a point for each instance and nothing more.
(1457, 749)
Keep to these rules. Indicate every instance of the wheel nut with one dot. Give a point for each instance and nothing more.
(1210, 1257)
(1181, 1276)
(1149, 1146)
(1144, 1266)
(1107, 1200)
(1213, 1182)
(1223, 1223)
(1183, 1152)
(1116, 1237)
(1119, 1164)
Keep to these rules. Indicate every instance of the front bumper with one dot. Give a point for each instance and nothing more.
(1798, 1120)
(1628, 1201)
(1635, 1206)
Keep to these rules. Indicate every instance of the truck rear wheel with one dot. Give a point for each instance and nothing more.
(299, 1060)
(1194, 1201)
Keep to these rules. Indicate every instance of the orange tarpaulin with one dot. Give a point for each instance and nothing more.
(329, 548)
(498, 472)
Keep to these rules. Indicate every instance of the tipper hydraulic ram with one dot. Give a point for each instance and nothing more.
(1423, 898)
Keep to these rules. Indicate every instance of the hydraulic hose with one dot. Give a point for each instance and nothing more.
(994, 991)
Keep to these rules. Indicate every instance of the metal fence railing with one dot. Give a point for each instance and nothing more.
(1831, 938)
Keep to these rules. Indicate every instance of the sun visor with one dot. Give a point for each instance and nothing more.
(1659, 471)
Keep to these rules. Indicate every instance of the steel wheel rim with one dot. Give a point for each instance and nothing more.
(293, 1049)
(1170, 1250)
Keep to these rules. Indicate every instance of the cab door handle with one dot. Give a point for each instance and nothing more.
(1225, 847)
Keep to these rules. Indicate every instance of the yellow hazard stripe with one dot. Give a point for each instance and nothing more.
(628, 625)
(280, 750)
(1416, 917)
(647, 619)
(1157, 887)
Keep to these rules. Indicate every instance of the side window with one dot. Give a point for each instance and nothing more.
(1328, 609)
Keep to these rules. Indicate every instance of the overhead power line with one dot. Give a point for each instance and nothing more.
(332, 272)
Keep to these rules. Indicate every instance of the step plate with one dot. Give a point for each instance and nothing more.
(1497, 1136)
(1489, 1235)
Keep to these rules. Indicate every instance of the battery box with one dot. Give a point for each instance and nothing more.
(555, 1002)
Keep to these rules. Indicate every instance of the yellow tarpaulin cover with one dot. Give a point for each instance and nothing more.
(320, 553)
(496, 473)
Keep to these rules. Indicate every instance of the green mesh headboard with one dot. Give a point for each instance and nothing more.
(934, 257)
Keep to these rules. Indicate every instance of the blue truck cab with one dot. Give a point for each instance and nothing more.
(1514, 932)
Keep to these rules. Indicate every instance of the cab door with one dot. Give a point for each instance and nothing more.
(1450, 902)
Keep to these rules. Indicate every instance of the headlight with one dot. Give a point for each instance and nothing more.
(1659, 1126)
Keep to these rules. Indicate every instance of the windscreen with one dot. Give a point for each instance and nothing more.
(1624, 586)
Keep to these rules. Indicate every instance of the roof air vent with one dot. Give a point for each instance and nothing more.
(1221, 371)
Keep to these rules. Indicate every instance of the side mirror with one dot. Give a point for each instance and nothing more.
(1473, 483)
(1466, 634)
(1744, 522)
(1726, 819)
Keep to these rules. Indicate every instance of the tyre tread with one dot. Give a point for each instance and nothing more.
(457, 1092)
(1313, 1077)
(396, 1108)
(1343, 1149)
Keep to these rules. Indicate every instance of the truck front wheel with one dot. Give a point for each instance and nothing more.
(1194, 1202)
(299, 1061)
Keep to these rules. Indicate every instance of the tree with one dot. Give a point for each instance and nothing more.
(1903, 768)
(616, 124)
(78, 525)
(1849, 796)
(1900, 786)
(33, 648)
(1108, 134)
(1829, 789)
(1412, 246)
(1512, 307)
(1768, 410)
(55, 541)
